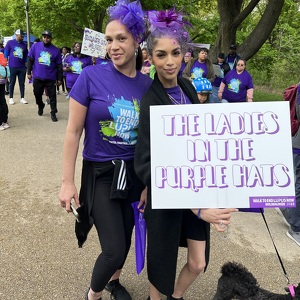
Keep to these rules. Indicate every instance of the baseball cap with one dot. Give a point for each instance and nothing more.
(47, 32)
(233, 47)
(202, 85)
(19, 32)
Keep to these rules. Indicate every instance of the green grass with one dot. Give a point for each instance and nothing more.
(262, 93)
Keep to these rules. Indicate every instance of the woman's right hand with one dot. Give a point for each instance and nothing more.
(219, 217)
(68, 192)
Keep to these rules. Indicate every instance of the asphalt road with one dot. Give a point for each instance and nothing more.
(39, 257)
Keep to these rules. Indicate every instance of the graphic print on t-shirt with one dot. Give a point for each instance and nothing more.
(197, 72)
(76, 67)
(44, 58)
(122, 129)
(18, 52)
(234, 85)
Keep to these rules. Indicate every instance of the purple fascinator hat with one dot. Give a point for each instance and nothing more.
(168, 22)
(131, 15)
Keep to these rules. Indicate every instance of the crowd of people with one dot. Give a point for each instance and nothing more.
(109, 101)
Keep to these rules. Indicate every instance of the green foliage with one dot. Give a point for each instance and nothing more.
(276, 64)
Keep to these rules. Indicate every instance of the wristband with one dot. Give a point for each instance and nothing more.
(198, 214)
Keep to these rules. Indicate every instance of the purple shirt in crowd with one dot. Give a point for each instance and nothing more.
(198, 69)
(113, 102)
(76, 64)
(16, 53)
(236, 86)
(46, 59)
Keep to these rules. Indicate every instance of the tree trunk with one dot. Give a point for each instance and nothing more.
(231, 16)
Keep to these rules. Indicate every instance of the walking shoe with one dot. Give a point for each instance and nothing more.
(53, 117)
(41, 110)
(172, 298)
(23, 101)
(87, 295)
(283, 212)
(117, 291)
(47, 101)
(2, 127)
(5, 125)
(7, 93)
(11, 101)
(294, 236)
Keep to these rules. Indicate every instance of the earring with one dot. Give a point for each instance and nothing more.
(136, 52)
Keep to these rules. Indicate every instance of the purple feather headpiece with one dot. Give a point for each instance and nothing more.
(131, 15)
(169, 21)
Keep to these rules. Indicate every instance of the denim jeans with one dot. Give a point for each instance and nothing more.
(21, 73)
(294, 213)
(214, 96)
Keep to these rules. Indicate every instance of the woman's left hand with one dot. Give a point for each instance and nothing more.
(143, 200)
(219, 217)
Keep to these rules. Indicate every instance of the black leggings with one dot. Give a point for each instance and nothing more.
(114, 222)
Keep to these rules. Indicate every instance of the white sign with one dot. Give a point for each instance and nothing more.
(93, 43)
(221, 155)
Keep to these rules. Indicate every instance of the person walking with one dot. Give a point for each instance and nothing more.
(199, 66)
(74, 64)
(291, 216)
(237, 85)
(4, 73)
(232, 57)
(44, 60)
(167, 227)
(105, 102)
(16, 52)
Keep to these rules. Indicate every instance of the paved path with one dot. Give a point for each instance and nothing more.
(39, 258)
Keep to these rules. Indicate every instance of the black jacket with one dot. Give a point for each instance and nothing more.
(163, 225)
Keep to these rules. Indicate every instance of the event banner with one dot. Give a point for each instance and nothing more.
(222, 155)
(93, 43)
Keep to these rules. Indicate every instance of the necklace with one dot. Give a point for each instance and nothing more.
(182, 98)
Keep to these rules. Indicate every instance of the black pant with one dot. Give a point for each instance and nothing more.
(114, 221)
(3, 105)
(38, 90)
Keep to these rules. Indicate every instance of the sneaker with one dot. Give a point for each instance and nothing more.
(117, 290)
(11, 101)
(283, 212)
(7, 93)
(53, 117)
(5, 125)
(172, 298)
(41, 110)
(23, 101)
(47, 101)
(2, 127)
(294, 236)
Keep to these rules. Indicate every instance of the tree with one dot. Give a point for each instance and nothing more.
(232, 14)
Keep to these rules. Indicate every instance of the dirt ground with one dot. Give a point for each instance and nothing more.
(39, 257)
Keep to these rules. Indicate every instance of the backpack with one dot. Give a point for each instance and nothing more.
(290, 94)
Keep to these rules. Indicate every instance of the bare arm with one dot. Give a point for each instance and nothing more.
(77, 115)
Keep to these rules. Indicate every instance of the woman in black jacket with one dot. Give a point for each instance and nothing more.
(167, 229)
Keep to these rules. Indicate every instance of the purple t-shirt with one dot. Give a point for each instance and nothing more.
(76, 65)
(236, 86)
(198, 69)
(113, 102)
(102, 61)
(177, 96)
(16, 53)
(46, 59)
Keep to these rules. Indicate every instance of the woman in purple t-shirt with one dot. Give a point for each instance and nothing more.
(74, 64)
(104, 102)
(237, 85)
